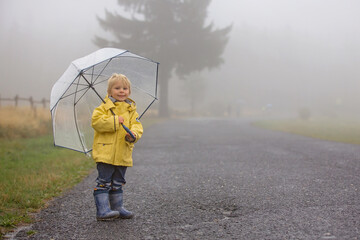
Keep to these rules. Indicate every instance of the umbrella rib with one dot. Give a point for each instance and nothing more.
(110, 59)
(75, 118)
(82, 95)
(147, 108)
(63, 94)
(157, 74)
(80, 84)
(73, 149)
(74, 92)
(102, 70)
(85, 69)
(92, 74)
(92, 87)
(100, 82)
(77, 90)
(144, 91)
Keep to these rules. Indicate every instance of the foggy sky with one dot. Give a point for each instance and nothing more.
(290, 53)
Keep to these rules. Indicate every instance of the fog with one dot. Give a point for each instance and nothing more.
(282, 55)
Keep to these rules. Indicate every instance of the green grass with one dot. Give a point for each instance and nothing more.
(339, 130)
(33, 171)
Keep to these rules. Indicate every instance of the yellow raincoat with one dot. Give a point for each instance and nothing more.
(110, 145)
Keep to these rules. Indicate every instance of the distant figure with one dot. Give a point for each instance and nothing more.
(113, 146)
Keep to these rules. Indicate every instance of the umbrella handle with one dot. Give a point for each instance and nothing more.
(128, 131)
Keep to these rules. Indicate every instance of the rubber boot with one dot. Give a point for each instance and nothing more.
(116, 203)
(103, 211)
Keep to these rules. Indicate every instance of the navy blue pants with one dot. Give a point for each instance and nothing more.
(110, 177)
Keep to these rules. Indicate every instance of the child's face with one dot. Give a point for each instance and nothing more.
(120, 92)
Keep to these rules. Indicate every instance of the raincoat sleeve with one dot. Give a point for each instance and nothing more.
(104, 121)
(136, 126)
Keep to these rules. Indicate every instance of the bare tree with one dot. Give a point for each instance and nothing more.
(172, 32)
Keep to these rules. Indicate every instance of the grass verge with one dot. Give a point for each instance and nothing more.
(339, 130)
(33, 171)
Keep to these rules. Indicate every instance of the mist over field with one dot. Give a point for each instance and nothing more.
(282, 55)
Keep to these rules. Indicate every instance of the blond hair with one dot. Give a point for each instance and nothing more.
(117, 77)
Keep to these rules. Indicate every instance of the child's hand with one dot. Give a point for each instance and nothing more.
(121, 119)
(129, 138)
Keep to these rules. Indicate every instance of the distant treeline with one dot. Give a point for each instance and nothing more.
(30, 100)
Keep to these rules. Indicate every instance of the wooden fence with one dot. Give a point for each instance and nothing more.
(30, 100)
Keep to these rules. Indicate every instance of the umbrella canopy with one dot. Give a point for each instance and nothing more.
(83, 86)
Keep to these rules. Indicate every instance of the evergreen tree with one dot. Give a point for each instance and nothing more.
(172, 32)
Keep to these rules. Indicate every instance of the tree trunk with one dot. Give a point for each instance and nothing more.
(164, 99)
(164, 78)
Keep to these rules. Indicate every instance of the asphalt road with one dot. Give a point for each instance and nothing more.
(221, 179)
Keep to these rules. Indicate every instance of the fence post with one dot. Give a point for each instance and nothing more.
(44, 102)
(16, 100)
(31, 102)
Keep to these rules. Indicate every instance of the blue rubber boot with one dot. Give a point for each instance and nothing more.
(116, 203)
(103, 211)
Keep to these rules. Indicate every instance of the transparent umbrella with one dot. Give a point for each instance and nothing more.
(83, 86)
